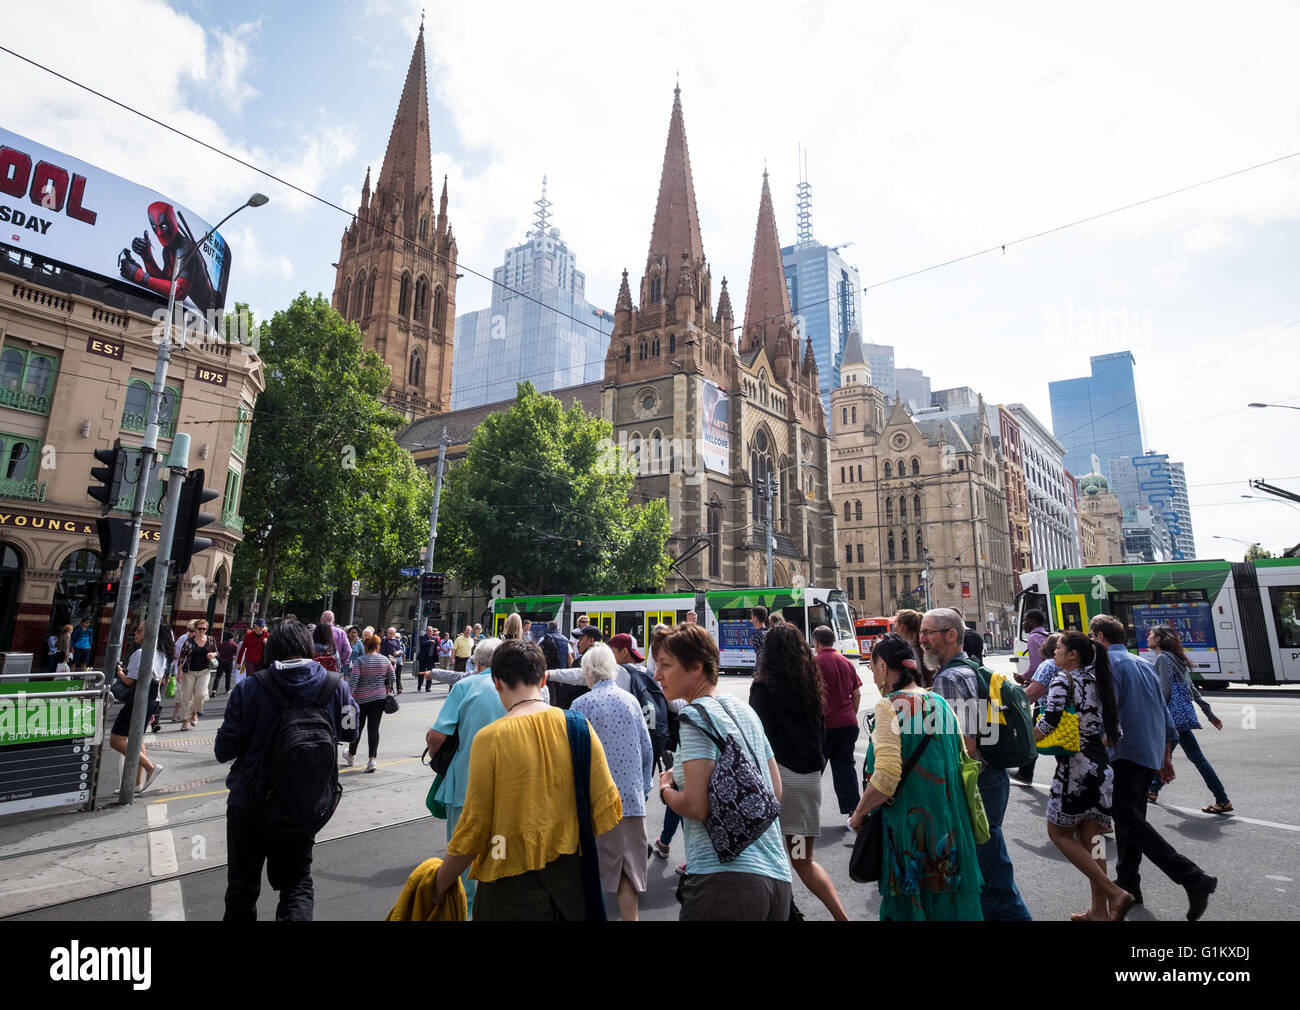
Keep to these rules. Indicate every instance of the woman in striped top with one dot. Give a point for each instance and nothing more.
(371, 682)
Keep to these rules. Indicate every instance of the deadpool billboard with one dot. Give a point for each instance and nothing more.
(60, 208)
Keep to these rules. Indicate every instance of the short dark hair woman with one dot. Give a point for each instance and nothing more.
(930, 871)
(756, 884)
(790, 698)
(372, 683)
(519, 826)
(1078, 811)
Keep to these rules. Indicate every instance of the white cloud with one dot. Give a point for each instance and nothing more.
(234, 59)
(253, 261)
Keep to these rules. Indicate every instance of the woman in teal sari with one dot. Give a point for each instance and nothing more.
(930, 870)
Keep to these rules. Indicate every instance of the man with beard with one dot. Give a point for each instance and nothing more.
(956, 682)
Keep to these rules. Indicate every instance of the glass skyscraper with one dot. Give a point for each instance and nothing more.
(827, 293)
(558, 343)
(1098, 414)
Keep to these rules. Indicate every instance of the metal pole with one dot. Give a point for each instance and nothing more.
(433, 518)
(352, 612)
(767, 498)
(178, 463)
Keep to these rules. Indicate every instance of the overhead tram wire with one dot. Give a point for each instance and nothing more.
(892, 280)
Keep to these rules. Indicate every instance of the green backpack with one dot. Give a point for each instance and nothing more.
(1006, 737)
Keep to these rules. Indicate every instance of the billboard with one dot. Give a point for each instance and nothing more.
(1194, 623)
(58, 207)
(715, 428)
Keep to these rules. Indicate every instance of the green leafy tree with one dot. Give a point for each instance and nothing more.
(911, 601)
(315, 426)
(1254, 552)
(537, 507)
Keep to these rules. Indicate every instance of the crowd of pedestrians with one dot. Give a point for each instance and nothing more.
(548, 743)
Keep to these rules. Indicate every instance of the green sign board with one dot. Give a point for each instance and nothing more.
(36, 712)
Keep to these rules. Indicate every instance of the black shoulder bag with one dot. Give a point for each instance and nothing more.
(867, 861)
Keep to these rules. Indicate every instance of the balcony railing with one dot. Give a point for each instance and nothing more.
(232, 521)
(136, 423)
(16, 399)
(151, 508)
(25, 489)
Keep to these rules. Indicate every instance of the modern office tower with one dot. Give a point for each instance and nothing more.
(540, 328)
(1098, 414)
(881, 359)
(912, 386)
(826, 296)
(1185, 541)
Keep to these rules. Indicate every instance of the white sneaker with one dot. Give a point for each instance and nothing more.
(370, 765)
(157, 770)
(347, 758)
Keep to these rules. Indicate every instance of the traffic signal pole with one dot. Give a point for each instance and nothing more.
(178, 463)
(433, 523)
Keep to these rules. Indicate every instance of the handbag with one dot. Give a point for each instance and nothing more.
(1180, 706)
(741, 804)
(390, 704)
(121, 692)
(170, 690)
(580, 752)
(970, 782)
(1064, 739)
(436, 806)
(868, 858)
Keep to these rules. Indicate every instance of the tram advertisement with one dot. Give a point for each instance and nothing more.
(1194, 623)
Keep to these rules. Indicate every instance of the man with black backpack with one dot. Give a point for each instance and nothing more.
(282, 727)
(965, 685)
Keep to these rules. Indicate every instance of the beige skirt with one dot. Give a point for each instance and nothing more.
(801, 801)
(622, 852)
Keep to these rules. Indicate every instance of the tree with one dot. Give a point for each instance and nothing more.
(911, 601)
(1254, 552)
(317, 423)
(537, 506)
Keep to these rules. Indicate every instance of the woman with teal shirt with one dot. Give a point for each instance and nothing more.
(930, 870)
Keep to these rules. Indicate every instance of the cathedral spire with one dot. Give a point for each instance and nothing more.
(767, 309)
(676, 232)
(407, 173)
(442, 208)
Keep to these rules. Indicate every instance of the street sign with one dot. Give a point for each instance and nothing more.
(356, 587)
(411, 570)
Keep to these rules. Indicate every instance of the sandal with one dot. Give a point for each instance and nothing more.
(1217, 808)
(1153, 797)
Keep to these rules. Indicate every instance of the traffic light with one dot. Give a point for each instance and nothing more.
(412, 613)
(114, 540)
(110, 476)
(189, 519)
(431, 585)
(435, 612)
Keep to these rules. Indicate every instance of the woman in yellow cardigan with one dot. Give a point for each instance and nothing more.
(519, 826)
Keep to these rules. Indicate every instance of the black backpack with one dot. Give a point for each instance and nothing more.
(299, 782)
(654, 706)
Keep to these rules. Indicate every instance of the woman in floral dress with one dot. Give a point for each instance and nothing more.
(1078, 813)
(930, 870)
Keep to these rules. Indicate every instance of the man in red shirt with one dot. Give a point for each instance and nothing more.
(249, 657)
(843, 695)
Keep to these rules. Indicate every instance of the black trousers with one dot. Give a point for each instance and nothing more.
(223, 667)
(371, 713)
(288, 869)
(1135, 838)
(837, 746)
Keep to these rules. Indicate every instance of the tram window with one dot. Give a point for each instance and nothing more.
(1286, 615)
(1122, 607)
(818, 614)
(1034, 601)
(630, 622)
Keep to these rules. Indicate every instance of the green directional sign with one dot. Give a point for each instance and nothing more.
(36, 712)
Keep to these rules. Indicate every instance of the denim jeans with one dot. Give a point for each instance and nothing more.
(471, 885)
(1000, 899)
(1202, 764)
(672, 820)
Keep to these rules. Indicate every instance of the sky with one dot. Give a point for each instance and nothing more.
(932, 131)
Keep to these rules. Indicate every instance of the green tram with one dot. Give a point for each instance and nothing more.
(724, 613)
(1238, 621)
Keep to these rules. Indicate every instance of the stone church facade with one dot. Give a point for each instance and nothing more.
(396, 273)
(705, 417)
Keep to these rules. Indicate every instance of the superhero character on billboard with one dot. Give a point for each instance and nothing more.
(177, 240)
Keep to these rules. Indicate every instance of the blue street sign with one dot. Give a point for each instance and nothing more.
(411, 570)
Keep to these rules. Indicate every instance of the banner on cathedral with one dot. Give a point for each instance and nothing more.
(715, 428)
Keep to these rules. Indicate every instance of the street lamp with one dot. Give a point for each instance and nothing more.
(1284, 406)
(1275, 501)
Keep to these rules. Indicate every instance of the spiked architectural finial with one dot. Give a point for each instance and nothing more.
(406, 177)
(624, 303)
(724, 308)
(677, 224)
(767, 308)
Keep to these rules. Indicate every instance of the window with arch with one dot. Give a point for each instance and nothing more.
(916, 505)
(627, 354)
(920, 548)
(844, 415)
(841, 475)
(656, 451)
(891, 547)
(137, 407)
(343, 298)
(422, 300)
(370, 292)
(859, 471)
(916, 467)
(857, 508)
(902, 508)
(672, 343)
(902, 468)
(889, 510)
(424, 227)
(714, 530)
(415, 370)
(907, 554)
(439, 309)
(847, 516)
(642, 351)
(656, 289)
(654, 346)
(634, 451)
(27, 380)
(855, 415)
(404, 295)
(889, 469)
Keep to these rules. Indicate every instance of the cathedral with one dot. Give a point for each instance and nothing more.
(396, 273)
(709, 411)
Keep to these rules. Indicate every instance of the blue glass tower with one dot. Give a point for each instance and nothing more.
(826, 292)
(1098, 414)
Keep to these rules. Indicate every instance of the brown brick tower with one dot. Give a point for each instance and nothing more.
(396, 274)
